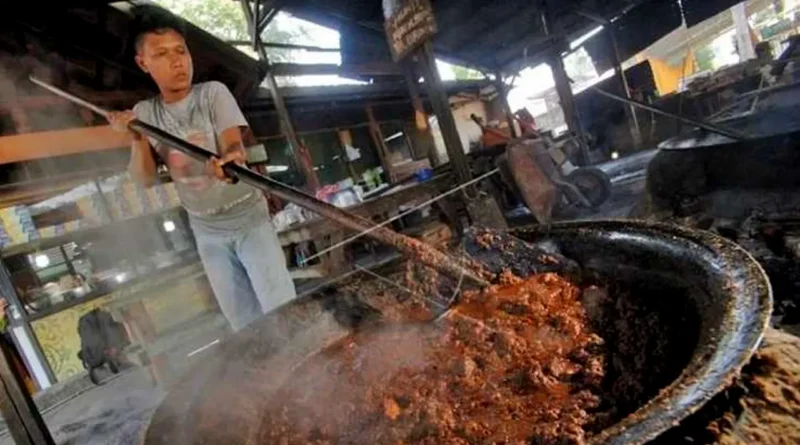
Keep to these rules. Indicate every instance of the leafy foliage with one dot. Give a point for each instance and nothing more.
(463, 73)
(225, 20)
(704, 57)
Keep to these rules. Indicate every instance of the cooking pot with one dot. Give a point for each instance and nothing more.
(711, 296)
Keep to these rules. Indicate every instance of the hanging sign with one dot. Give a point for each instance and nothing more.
(410, 27)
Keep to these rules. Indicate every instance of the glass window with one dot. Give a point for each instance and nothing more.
(394, 137)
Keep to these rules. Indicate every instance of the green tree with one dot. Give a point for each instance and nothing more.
(225, 20)
(464, 73)
(704, 57)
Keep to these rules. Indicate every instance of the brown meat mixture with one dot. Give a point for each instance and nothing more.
(514, 364)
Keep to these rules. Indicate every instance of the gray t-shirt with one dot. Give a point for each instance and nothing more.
(200, 118)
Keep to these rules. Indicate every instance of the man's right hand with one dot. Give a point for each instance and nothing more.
(119, 121)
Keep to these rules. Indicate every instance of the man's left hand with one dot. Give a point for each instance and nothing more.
(215, 164)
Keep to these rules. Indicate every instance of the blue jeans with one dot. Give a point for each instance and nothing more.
(247, 271)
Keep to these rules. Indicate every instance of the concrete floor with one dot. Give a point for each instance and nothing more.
(115, 413)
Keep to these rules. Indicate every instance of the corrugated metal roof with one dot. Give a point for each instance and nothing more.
(508, 34)
(488, 35)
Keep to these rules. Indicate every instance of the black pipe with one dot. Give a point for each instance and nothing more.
(735, 135)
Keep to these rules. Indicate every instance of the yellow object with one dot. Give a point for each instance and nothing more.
(421, 120)
(47, 232)
(668, 78)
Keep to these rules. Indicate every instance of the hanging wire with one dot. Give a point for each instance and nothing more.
(401, 215)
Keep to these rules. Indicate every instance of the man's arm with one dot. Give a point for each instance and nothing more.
(228, 120)
(232, 151)
(142, 166)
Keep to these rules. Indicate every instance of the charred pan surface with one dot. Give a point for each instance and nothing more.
(720, 281)
(761, 407)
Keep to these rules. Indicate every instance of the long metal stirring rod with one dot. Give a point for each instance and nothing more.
(410, 247)
(735, 135)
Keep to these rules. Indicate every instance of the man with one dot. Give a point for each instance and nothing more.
(237, 243)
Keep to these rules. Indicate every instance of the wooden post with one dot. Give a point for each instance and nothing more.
(421, 136)
(285, 120)
(441, 107)
(380, 145)
(287, 128)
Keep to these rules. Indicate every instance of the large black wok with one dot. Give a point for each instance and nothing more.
(710, 299)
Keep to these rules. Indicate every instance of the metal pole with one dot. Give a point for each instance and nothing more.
(630, 111)
(704, 125)
(103, 201)
(564, 90)
(17, 406)
(567, 101)
(22, 403)
(633, 120)
(9, 292)
(500, 85)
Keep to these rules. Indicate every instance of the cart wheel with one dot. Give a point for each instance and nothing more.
(93, 376)
(593, 183)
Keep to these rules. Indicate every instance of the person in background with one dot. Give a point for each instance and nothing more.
(238, 246)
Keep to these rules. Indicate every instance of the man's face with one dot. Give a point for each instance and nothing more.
(166, 58)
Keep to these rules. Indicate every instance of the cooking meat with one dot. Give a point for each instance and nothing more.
(515, 364)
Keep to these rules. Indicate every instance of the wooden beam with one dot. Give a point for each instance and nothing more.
(318, 49)
(29, 146)
(365, 69)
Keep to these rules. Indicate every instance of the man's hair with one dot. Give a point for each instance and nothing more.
(150, 19)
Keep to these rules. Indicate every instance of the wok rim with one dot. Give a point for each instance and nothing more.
(692, 390)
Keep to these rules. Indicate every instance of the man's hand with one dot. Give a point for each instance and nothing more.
(215, 164)
(119, 121)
